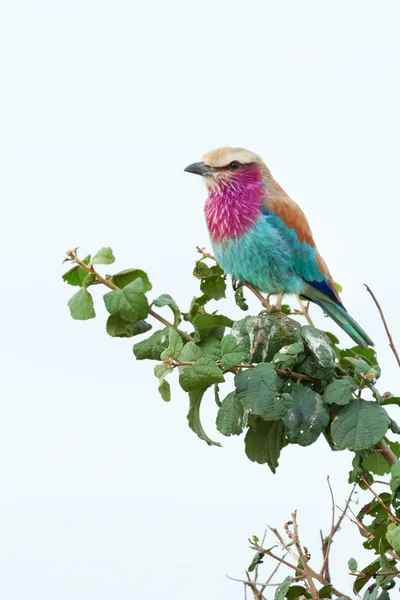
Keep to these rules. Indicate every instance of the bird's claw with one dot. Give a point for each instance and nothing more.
(236, 284)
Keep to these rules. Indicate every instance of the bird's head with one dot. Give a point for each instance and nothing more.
(229, 169)
(237, 180)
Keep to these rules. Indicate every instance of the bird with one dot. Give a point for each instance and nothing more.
(261, 237)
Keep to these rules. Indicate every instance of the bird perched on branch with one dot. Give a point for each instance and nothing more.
(261, 237)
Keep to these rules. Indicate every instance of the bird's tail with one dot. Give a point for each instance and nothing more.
(340, 315)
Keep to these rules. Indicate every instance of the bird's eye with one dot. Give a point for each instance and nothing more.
(234, 165)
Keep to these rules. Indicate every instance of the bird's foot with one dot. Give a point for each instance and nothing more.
(270, 308)
(236, 284)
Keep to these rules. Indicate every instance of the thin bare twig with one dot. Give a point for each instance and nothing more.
(326, 544)
(303, 559)
(389, 335)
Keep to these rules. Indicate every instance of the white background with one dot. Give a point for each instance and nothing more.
(104, 491)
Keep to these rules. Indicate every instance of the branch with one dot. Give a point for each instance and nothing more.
(387, 453)
(234, 369)
(303, 558)
(73, 257)
(391, 343)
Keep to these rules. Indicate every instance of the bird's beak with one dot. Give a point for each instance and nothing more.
(199, 168)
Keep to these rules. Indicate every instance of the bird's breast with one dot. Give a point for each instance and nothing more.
(262, 256)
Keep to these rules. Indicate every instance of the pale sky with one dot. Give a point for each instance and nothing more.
(105, 492)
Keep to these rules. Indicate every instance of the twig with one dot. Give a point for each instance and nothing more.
(391, 343)
(305, 311)
(247, 582)
(381, 502)
(205, 254)
(326, 544)
(303, 559)
(267, 583)
(234, 368)
(73, 257)
(300, 572)
(346, 508)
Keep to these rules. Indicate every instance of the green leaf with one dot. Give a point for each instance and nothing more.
(322, 358)
(359, 426)
(365, 575)
(130, 303)
(264, 441)
(362, 370)
(340, 391)
(153, 346)
(202, 374)
(352, 564)
(124, 278)
(76, 275)
(72, 276)
(375, 463)
(257, 559)
(202, 270)
(197, 307)
(211, 349)
(167, 300)
(161, 371)
(296, 591)
(240, 299)
(307, 417)
(190, 353)
(214, 288)
(195, 398)
(175, 346)
(368, 354)
(81, 305)
(371, 593)
(117, 327)
(325, 592)
(104, 256)
(165, 390)
(395, 477)
(386, 564)
(230, 416)
(89, 279)
(205, 323)
(282, 590)
(233, 352)
(289, 356)
(260, 390)
(264, 335)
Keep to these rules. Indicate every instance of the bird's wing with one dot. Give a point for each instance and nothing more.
(309, 264)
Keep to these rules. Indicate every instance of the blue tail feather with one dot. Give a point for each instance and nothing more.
(340, 315)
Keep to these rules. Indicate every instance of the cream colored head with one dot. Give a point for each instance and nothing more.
(223, 157)
(227, 167)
